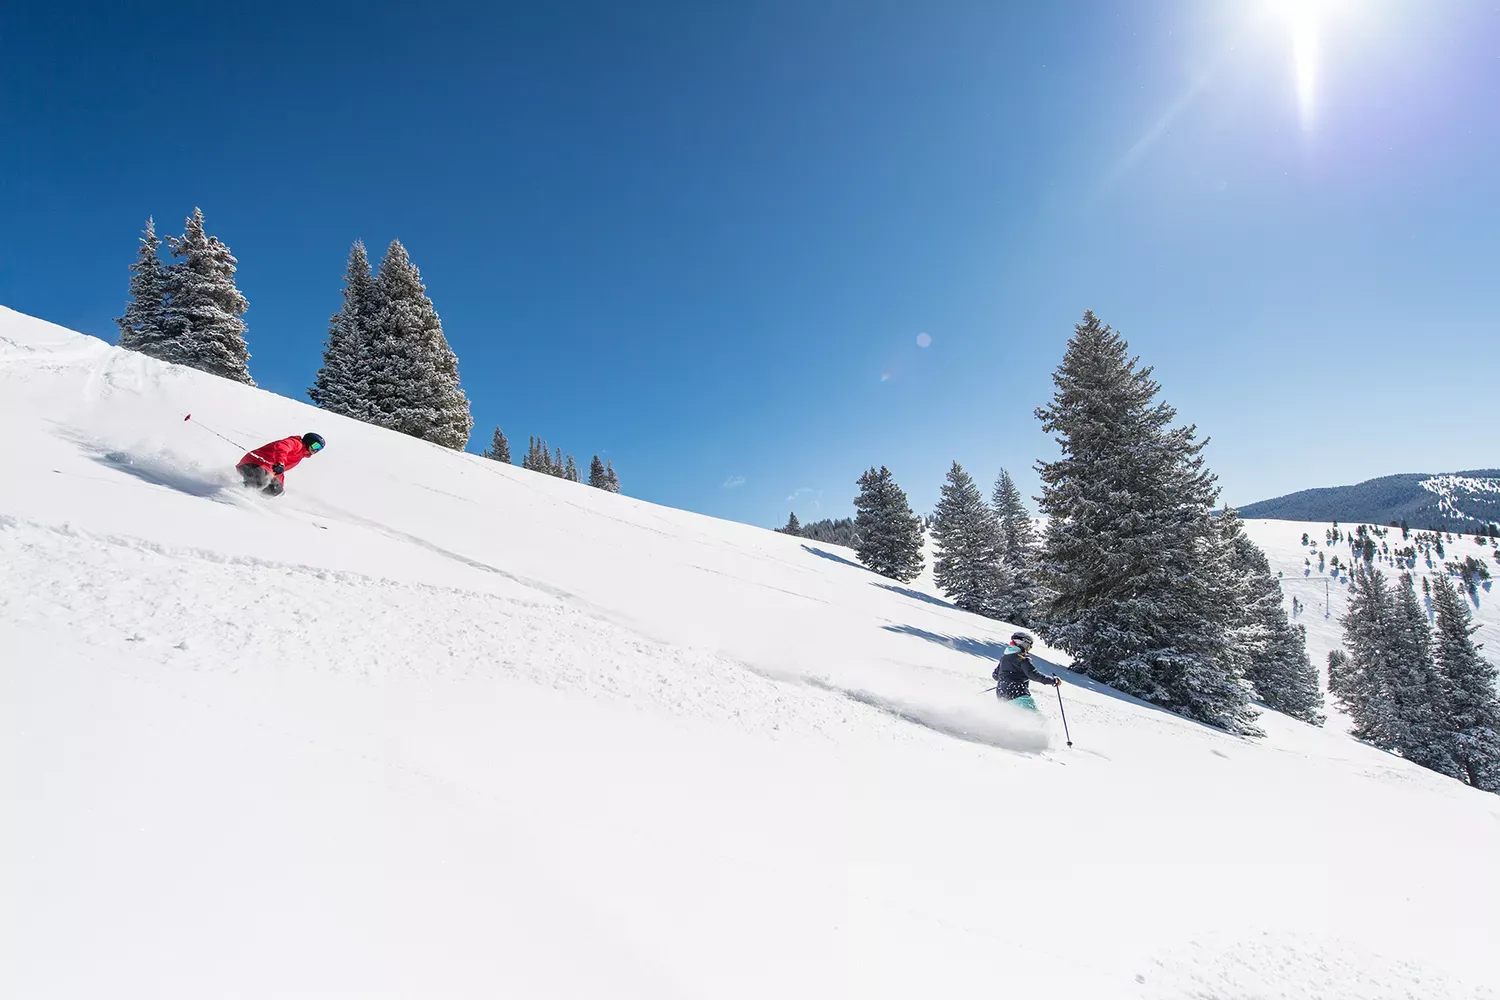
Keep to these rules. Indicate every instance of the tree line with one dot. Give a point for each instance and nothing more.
(539, 458)
(386, 361)
(1420, 691)
(1136, 574)
(833, 532)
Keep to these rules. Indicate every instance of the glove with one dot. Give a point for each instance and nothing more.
(278, 468)
(1056, 681)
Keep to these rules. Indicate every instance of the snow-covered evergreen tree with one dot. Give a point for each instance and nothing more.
(1474, 710)
(1365, 680)
(1271, 652)
(1133, 561)
(1017, 595)
(203, 306)
(571, 472)
(556, 465)
(1416, 686)
(1338, 662)
(840, 532)
(967, 535)
(793, 526)
(890, 535)
(1294, 680)
(342, 384)
(143, 327)
(537, 458)
(414, 385)
(611, 480)
(597, 478)
(499, 449)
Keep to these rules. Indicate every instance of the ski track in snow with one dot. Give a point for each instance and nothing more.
(210, 611)
(430, 726)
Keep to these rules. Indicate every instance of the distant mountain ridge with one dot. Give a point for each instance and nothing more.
(1454, 501)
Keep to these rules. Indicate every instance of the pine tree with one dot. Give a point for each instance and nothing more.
(538, 458)
(1017, 596)
(1270, 650)
(499, 449)
(1365, 681)
(611, 481)
(840, 532)
(597, 478)
(342, 384)
(967, 536)
(203, 310)
(1136, 570)
(793, 526)
(1338, 661)
(890, 535)
(1295, 683)
(143, 327)
(1417, 687)
(414, 385)
(571, 472)
(1474, 719)
(556, 466)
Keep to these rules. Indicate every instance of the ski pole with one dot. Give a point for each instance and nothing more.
(989, 689)
(210, 430)
(1064, 712)
(221, 437)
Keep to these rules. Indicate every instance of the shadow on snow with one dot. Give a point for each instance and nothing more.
(193, 482)
(825, 554)
(917, 595)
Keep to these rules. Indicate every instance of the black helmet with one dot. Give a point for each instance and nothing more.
(1021, 639)
(313, 442)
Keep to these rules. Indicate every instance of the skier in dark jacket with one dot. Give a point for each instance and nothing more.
(263, 468)
(1014, 673)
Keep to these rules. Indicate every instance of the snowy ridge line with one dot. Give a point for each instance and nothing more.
(1471, 484)
(1444, 487)
(12, 522)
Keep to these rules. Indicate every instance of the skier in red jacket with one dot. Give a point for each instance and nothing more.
(264, 467)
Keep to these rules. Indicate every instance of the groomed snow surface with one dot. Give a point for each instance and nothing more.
(428, 726)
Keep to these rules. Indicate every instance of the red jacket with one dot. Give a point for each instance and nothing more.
(286, 453)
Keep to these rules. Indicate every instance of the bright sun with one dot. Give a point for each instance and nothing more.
(1306, 20)
(1305, 61)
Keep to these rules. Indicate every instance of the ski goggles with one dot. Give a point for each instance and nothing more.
(316, 446)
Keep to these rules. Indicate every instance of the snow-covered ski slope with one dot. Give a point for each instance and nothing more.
(1325, 593)
(428, 726)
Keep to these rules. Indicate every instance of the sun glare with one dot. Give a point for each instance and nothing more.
(1308, 21)
(1305, 61)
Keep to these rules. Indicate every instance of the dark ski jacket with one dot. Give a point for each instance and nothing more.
(286, 453)
(1014, 673)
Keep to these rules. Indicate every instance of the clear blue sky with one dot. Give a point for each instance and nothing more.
(703, 239)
